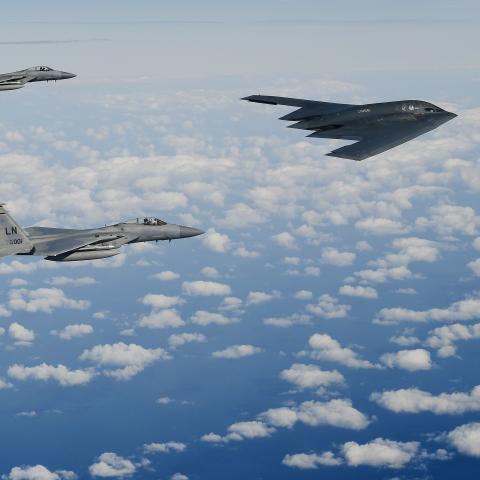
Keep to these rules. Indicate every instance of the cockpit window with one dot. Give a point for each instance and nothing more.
(433, 109)
(153, 221)
(146, 221)
(42, 69)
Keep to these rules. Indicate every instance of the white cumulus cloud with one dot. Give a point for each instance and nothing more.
(43, 300)
(412, 360)
(286, 322)
(380, 452)
(161, 301)
(474, 266)
(44, 372)
(286, 240)
(324, 347)
(255, 298)
(111, 465)
(307, 461)
(328, 307)
(73, 331)
(332, 256)
(237, 351)
(463, 310)
(166, 276)
(39, 472)
(358, 291)
(218, 242)
(381, 226)
(168, 318)
(414, 400)
(251, 429)
(20, 334)
(310, 376)
(75, 282)
(203, 318)
(335, 413)
(206, 289)
(466, 439)
(210, 272)
(444, 338)
(128, 360)
(303, 295)
(166, 447)
(177, 340)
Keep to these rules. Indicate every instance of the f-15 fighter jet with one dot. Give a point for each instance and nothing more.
(68, 245)
(376, 127)
(15, 80)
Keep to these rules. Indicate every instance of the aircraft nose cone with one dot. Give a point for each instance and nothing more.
(68, 75)
(186, 232)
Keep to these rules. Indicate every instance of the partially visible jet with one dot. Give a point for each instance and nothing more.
(376, 127)
(15, 80)
(69, 245)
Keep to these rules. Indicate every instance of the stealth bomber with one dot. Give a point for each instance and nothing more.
(16, 80)
(69, 245)
(376, 127)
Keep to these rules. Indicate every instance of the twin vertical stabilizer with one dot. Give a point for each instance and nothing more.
(13, 239)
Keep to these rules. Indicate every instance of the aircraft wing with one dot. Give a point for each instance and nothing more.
(70, 243)
(44, 231)
(373, 140)
(307, 108)
(12, 79)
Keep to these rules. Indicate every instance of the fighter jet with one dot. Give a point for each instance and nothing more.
(376, 127)
(15, 80)
(70, 245)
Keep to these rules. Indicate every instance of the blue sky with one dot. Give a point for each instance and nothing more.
(326, 325)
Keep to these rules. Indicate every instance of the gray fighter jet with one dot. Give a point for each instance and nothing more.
(69, 245)
(376, 127)
(15, 80)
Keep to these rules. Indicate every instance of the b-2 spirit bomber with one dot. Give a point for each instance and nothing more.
(68, 245)
(16, 80)
(376, 127)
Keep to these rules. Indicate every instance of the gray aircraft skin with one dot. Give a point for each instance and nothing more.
(69, 245)
(16, 80)
(376, 127)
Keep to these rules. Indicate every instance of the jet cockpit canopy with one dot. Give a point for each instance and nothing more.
(434, 109)
(146, 221)
(42, 69)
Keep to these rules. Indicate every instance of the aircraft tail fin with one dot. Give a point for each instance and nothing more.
(13, 239)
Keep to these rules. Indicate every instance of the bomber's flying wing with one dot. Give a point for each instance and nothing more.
(371, 137)
(69, 243)
(306, 108)
(373, 140)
